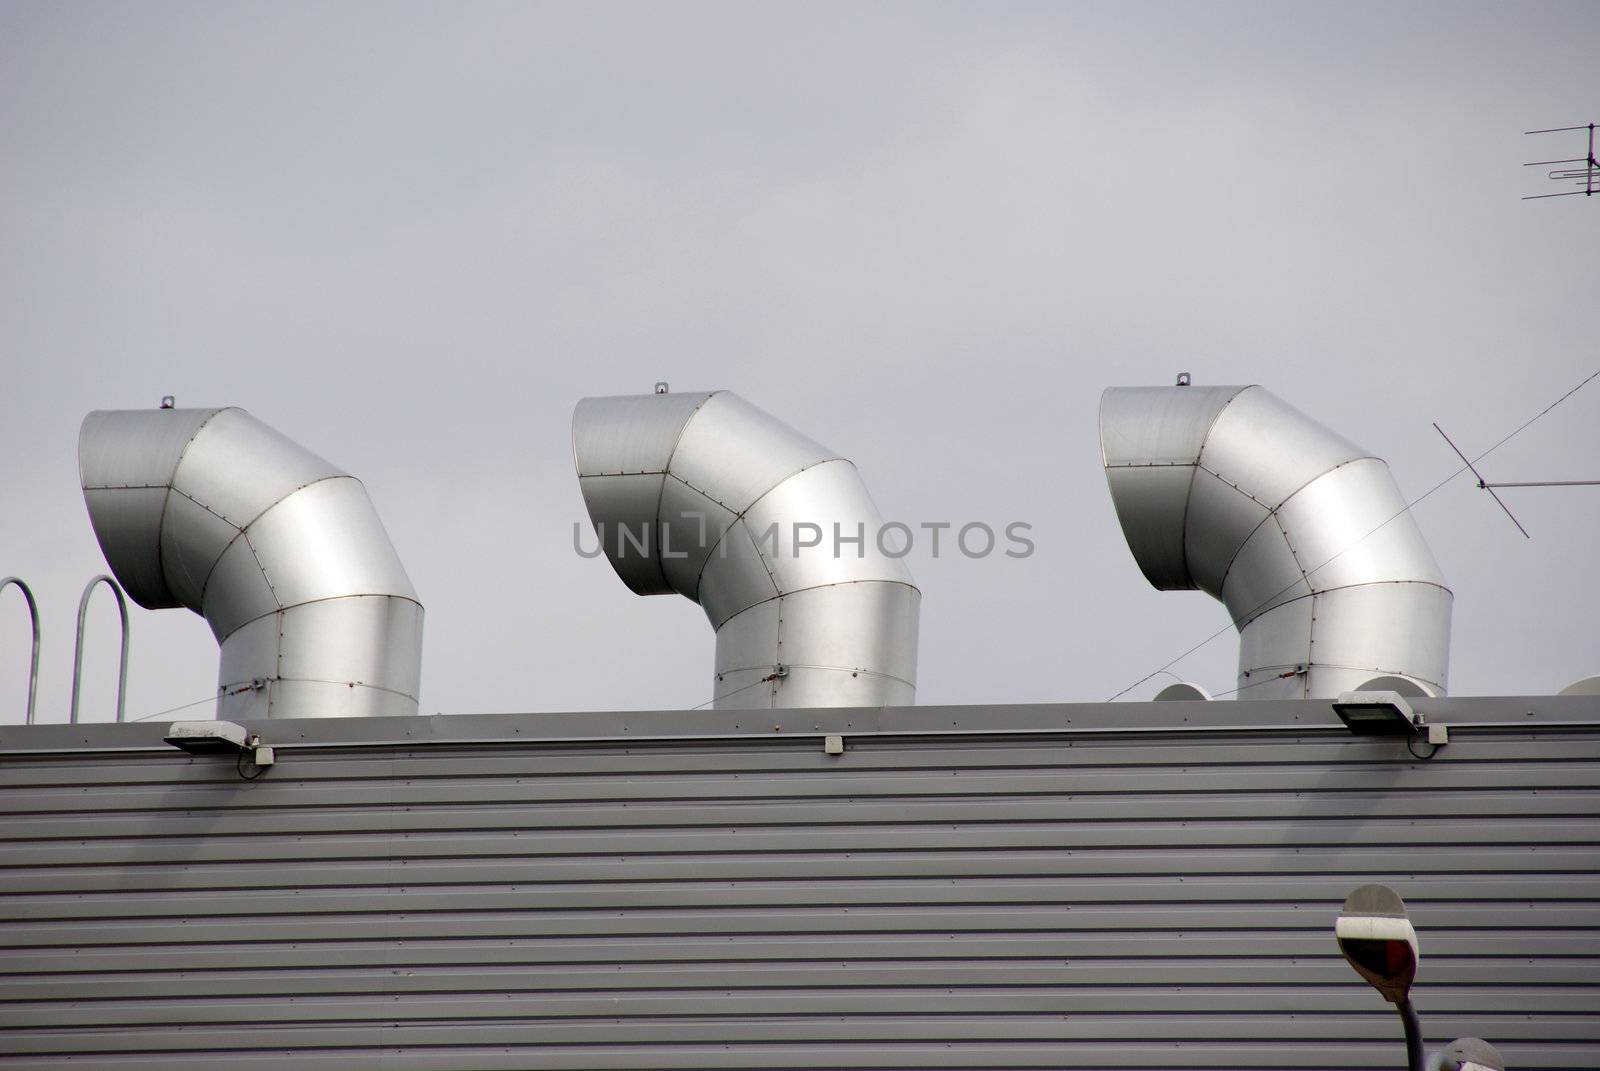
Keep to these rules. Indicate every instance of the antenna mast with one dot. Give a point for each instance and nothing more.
(1587, 176)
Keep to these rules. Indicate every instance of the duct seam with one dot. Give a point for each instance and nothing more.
(1261, 612)
(1272, 514)
(279, 611)
(1188, 493)
(740, 515)
(666, 473)
(818, 587)
(854, 671)
(347, 684)
(167, 501)
(245, 526)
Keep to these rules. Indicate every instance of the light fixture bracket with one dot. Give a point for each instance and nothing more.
(219, 738)
(1378, 714)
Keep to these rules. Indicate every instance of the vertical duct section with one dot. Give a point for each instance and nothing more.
(280, 552)
(1302, 535)
(771, 533)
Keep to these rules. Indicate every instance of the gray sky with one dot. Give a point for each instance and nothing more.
(412, 236)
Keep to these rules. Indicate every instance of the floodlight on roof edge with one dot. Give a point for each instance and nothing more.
(221, 738)
(1382, 713)
(1377, 714)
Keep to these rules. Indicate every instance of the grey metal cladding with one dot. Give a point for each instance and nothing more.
(281, 552)
(1083, 887)
(710, 497)
(1303, 535)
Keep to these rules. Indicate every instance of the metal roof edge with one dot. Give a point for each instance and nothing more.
(1551, 713)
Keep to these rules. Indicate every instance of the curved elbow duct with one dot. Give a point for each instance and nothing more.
(771, 533)
(281, 552)
(1302, 535)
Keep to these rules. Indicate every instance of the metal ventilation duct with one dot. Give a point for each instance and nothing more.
(281, 552)
(708, 496)
(1302, 535)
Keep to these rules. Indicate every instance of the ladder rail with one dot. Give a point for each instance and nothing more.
(33, 614)
(77, 651)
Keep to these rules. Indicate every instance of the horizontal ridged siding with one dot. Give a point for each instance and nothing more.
(918, 902)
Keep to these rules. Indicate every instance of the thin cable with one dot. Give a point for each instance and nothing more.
(1542, 412)
(1259, 683)
(208, 699)
(1407, 508)
(728, 695)
(1498, 501)
(854, 672)
(239, 766)
(173, 710)
(1410, 739)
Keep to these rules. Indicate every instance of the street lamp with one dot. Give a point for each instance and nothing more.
(1467, 1054)
(1377, 938)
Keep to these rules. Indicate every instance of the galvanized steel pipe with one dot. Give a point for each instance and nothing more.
(77, 646)
(1303, 535)
(773, 534)
(280, 551)
(33, 618)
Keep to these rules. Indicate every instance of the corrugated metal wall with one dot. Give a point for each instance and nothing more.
(1079, 900)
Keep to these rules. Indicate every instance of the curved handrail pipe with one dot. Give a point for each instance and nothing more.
(77, 645)
(771, 533)
(33, 616)
(281, 552)
(1301, 534)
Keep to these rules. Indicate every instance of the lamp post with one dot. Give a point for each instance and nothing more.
(1377, 938)
(1467, 1054)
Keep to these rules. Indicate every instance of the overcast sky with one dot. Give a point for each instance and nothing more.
(412, 236)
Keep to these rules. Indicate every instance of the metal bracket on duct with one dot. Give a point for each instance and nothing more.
(1302, 535)
(710, 497)
(281, 552)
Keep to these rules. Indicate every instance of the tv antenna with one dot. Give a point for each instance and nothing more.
(1490, 487)
(1587, 176)
(1486, 485)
